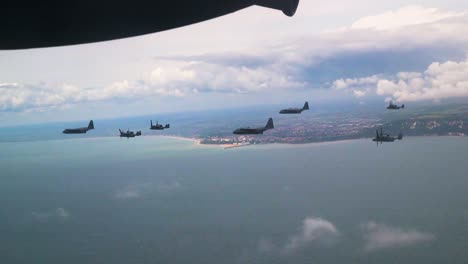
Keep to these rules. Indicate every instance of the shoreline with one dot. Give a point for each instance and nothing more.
(230, 146)
(279, 144)
(197, 141)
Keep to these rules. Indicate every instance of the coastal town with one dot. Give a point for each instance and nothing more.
(343, 126)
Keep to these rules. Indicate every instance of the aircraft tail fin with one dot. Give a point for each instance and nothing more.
(269, 124)
(306, 106)
(91, 125)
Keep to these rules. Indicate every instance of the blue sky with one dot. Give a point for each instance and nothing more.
(400, 50)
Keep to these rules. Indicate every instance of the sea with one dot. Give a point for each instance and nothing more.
(156, 199)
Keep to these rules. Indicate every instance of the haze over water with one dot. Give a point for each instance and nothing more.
(164, 200)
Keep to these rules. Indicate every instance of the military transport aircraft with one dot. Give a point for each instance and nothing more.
(392, 106)
(258, 130)
(80, 130)
(295, 110)
(380, 138)
(158, 126)
(129, 134)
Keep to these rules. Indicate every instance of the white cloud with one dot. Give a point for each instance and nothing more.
(280, 65)
(313, 229)
(360, 87)
(129, 192)
(405, 16)
(426, 28)
(168, 187)
(439, 81)
(205, 76)
(379, 236)
(359, 93)
(59, 213)
(171, 78)
(62, 212)
(342, 84)
(17, 97)
(135, 191)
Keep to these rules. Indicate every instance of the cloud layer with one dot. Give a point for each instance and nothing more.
(135, 191)
(438, 81)
(405, 16)
(171, 78)
(376, 237)
(59, 213)
(379, 236)
(380, 55)
(313, 229)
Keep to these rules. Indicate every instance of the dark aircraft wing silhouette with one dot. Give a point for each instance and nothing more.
(48, 23)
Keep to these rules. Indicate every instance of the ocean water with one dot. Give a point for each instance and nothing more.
(165, 200)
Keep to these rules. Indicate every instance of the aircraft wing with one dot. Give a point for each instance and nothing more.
(48, 23)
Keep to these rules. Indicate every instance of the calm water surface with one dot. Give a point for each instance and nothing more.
(164, 200)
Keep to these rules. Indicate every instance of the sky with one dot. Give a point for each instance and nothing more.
(403, 51)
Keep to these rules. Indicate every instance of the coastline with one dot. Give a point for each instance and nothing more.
(197, 141)
(318, 143)
(194, 140)
(279, 144)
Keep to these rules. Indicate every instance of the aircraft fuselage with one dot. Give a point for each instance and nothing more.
(254, 131)
(291, 111)
(81, 130)
(385, 139)
(249, 131)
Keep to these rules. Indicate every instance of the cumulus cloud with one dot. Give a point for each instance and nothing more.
(360, 87)
(438, 81)
(129, 192)
(342, 84)
(168, 187)
(413, 37)
(62, 212)
(367, 47)
(171, 78)
(135, 191)
(59, 213)
(379, 236)
(405, 16)
(205, 76)
(313, 229)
